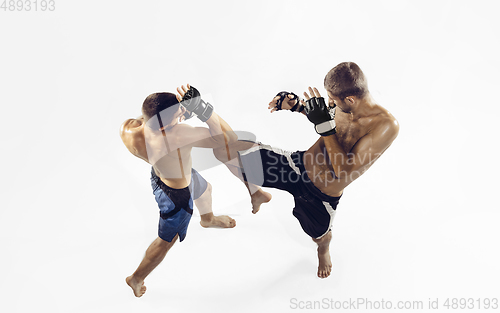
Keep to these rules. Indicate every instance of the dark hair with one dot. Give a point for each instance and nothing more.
(162, 106)
(346, 79)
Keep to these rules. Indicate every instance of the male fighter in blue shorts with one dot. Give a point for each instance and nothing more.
(355, 130)
(159, 138)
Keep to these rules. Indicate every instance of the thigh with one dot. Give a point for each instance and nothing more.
(267, 166)
(315, 216)
(230, 151)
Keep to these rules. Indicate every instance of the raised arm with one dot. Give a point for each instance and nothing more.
(217, 135)
(350, 164)
(217, 127)
(286, 101)
(219, 131)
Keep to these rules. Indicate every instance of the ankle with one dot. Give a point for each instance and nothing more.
(134, 279)
(207, 218)
(258, 194)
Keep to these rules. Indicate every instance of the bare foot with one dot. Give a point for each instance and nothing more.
(325, 262)
(222, 221)
(138, 287)
(258, 198)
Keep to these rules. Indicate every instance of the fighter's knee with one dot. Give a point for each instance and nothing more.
(209, 188)
(221, 154)
(325, 238)
(164, 244)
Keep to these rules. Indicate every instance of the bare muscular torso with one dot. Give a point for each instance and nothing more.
(171, 161)
(349, 132)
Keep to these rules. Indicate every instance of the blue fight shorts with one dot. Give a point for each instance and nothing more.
(176, 205)
(266, 166)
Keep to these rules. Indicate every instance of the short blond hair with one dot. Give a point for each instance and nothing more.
(346, 79)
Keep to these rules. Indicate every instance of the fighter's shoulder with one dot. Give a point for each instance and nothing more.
(124, 127)
(185, 132)
(126, 130)
(127, 136)
(183, 129)
(385, 123)
(131, 126)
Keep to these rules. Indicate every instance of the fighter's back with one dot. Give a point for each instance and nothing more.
(164, 150)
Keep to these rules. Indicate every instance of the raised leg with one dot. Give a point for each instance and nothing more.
(325, 262)
(154, 255)
(231, 160)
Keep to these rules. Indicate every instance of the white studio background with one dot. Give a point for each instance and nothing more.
(77, 212)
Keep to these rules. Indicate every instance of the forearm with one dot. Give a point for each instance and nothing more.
(339, 160)
(220, 130)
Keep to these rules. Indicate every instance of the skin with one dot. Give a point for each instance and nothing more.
(364, 131)
(168, 150)
(228, 156)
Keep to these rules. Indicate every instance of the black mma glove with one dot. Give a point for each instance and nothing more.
(297, 107)
(321, 115)
(195, 105)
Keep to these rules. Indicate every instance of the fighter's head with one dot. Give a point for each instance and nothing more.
(345, 83)
(162, 109)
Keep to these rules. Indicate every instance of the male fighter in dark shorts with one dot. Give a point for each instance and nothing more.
(355, 130)
(159, 138)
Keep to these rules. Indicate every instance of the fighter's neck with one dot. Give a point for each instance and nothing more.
(366, 107)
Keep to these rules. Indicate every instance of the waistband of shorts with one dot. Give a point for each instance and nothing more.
(308, 183)
(162, 185)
